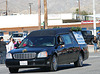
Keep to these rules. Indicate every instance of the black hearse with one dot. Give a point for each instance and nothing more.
(47, 49)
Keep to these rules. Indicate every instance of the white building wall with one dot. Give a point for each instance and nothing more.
(67, 16)
(32, 20)
(54, 22)
(18, 21)
(54, 16)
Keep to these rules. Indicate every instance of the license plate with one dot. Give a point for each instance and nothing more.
(23, 63)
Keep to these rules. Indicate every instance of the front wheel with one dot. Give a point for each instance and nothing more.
(79, 62)
(54, 64)
(13, 70)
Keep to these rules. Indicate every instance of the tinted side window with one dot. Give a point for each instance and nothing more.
(86, 32)
(89, 33)
(59, 39)
(67, 39)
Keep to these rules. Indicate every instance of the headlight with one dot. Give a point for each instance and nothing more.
(42, 54)
(9, 56)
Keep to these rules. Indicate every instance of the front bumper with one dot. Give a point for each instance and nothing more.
(30, 63)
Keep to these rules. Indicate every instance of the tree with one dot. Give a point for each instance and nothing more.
(82, 12)
(77, 11)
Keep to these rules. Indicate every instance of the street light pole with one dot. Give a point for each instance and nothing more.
(45, 14)
(30, 6)
(6, 7)
(39, 14)
(94, 18)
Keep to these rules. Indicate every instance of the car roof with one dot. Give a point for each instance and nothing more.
(49, 32)
(86, 31)
(20, 33)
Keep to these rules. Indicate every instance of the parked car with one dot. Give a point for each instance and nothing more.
(47, 49)
(88, 37)
(19, 36)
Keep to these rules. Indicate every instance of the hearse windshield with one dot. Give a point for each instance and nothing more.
(38, 41)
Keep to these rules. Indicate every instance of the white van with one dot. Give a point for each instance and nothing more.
(19, 36)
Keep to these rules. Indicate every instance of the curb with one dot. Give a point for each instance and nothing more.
(91, 48)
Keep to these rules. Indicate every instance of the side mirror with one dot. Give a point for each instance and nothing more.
(61, 43)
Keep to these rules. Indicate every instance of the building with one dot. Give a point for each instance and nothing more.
(27, 23)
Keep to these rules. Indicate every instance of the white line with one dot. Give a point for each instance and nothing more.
(94, 56)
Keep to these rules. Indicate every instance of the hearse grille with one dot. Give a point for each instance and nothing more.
(24, 55)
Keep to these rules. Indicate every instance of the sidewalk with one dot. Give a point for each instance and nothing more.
(91, 48)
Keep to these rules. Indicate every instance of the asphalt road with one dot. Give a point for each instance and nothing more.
(91, 66)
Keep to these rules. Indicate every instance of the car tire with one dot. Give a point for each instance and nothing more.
(13, 70)
(54, 64)
(79, 62)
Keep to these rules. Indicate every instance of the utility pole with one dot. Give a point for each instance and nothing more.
(45, 15)
(94, 18)
(39, 14)
(79, 7)
(30, 6)
(6, 7)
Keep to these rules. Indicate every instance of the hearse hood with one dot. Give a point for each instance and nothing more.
(28, 49)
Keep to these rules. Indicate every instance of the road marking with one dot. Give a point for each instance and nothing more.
(94, 56)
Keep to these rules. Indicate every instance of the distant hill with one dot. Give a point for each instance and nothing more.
(54, 6)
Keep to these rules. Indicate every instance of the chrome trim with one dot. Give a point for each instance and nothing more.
(24, 55)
